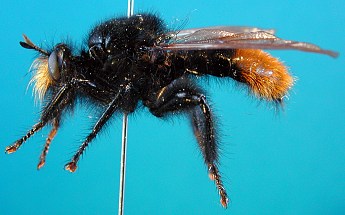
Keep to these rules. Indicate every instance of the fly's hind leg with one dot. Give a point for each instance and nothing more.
(183, 95)
(205, 132)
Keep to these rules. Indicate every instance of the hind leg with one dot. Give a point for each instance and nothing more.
(183, 96)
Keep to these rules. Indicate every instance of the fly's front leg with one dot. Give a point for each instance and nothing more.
(14, 147)
(183, 96)
(53, 109)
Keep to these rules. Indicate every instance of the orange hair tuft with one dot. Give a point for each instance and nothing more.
(266, 76)
(41, 79)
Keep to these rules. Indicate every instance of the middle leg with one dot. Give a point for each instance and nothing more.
(109, 111)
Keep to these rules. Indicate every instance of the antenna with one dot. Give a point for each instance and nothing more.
(124, 140)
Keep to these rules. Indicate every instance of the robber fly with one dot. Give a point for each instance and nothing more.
(138, 60)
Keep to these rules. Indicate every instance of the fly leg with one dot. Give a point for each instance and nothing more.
(183, 96)
(52, 110)
(52, 133)
(14, 147)
(112, 107)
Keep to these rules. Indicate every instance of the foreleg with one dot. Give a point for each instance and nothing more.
(53, 109)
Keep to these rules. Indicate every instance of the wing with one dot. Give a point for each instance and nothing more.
(224, 37)
(211, 32)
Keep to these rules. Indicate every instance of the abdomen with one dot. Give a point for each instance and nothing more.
(266, 76)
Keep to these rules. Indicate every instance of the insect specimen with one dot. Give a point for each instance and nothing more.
(138, 61)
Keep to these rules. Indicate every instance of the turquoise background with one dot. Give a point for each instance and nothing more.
(291, 162)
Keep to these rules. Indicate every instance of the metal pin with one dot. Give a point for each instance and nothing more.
(124, 140)
(123, 164)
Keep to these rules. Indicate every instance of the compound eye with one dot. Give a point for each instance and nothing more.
(53, 65)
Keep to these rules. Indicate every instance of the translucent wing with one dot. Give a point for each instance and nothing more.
(235, 38)
(211, 32)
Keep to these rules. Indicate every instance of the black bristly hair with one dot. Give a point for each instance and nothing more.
(136, 59)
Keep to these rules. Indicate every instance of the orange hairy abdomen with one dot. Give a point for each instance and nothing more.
(266, 76)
